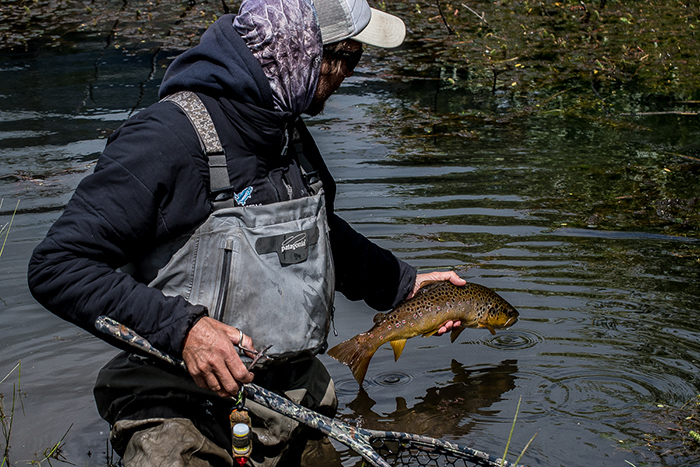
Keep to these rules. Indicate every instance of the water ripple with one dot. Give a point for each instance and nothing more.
(346, 387)
(393, 378)
(598, 394)
(513, 340)
(349, 387)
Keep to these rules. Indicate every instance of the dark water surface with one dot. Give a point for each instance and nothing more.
(608, 330)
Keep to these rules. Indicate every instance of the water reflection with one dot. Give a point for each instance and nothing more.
(442, 411)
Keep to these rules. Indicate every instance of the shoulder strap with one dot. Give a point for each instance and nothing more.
(219, 183)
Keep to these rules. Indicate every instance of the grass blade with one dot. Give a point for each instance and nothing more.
(525, 448)
(510, 435)
(7, 234)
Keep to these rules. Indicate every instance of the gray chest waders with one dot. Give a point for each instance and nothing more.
(266, 270)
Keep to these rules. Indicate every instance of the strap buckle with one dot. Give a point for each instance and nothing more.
(222, 194)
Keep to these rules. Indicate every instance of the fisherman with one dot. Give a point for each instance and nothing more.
(208, 228)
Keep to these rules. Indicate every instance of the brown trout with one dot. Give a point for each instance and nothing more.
(435, 303)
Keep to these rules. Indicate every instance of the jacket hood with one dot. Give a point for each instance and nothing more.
(221, 65)
(269, 55)
(285, 38)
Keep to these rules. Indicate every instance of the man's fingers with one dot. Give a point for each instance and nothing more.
(229, 382)
(223, 378)
(238, 370)
(247, 344)
(445, 276)
(240, 340)
(436, 276)
(448, 326)
(455, 279)
(200, 381)
(211, 356)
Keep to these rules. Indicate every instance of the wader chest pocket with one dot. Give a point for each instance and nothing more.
(291, 248)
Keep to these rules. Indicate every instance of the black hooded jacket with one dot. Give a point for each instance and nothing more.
(151, 184)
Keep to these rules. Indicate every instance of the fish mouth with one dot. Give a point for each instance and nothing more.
(511, 321)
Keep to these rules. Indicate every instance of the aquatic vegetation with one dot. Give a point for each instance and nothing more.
(6, 419)
(678, 441)
(569, 80)
(527, 46)
(510, 436)
(121, 25)
(694, 435)
(5, 228)
(7, 416)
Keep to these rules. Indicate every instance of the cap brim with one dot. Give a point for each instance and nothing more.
(383, 30)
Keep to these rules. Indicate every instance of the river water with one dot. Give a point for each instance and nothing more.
(607, 342)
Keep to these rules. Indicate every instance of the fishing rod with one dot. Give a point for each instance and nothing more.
(373, 445)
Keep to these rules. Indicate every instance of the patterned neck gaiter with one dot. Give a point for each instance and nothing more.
(285, 38)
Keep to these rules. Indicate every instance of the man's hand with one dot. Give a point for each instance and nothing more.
(211, 357)
(439, 276)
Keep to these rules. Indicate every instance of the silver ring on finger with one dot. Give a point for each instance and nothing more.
(240, 340)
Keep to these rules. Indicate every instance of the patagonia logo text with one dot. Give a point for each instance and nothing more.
(291, 248)
(293, 242)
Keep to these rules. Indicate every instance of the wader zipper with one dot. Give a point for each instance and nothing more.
(223, 284)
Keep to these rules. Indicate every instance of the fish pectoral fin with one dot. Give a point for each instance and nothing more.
(455, 333)
(398, 346)
(378, 317)
(490, 328)
(428, 334)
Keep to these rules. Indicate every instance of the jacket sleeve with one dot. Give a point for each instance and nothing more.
(365, 271)
(116, 214)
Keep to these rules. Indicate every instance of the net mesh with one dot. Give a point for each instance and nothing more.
(412, 454)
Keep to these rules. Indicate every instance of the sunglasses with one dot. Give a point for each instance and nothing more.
(351, 59)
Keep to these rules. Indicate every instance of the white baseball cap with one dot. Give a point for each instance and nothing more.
(345, 19)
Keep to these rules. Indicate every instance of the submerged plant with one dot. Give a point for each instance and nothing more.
(6, 418)
(679, 441)
(6, 227)
(54, 452)
(695, 436)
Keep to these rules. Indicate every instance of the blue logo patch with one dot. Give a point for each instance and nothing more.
(243, 196)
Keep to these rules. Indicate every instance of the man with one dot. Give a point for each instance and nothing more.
(211, 254)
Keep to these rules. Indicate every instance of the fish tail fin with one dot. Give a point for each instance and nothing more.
(356, 354)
